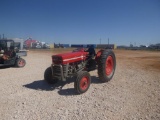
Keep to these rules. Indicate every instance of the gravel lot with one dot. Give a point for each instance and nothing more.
(132, 94)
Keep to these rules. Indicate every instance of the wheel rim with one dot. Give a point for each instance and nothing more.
(21, 63)
(84, 83)
(109, 65)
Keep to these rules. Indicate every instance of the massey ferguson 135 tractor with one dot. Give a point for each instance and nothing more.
(77, 64)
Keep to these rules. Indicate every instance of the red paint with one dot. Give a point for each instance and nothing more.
(28, 42)
(98, 55)
(109, 65)
(84, 83)
(71, 57)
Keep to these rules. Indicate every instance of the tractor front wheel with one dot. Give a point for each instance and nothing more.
(48, 76)
(82, 82)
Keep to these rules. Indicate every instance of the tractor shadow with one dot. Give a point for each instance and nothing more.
(8, 66)
(95, 80)
(5, 67)
(42, 85)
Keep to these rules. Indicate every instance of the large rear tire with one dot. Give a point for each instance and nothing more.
(82, 82)
(20, 62)
(106, 65)
(48, 76)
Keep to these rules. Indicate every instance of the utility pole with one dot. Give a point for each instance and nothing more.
(100, 40)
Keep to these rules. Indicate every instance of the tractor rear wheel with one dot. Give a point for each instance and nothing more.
(82, 82)
(20, 62)
(106, 65)
(48, 76)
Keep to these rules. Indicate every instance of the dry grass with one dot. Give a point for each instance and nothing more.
(144, 59)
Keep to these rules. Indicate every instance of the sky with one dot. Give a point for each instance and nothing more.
(123, 22)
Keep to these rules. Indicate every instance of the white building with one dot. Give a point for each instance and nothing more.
(19, 40)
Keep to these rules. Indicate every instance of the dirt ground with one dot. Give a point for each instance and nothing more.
(132, 94)
(145, 59)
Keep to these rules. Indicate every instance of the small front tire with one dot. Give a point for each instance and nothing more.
(82, 82)
(48, 76)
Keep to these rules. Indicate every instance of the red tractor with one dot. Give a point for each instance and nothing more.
(77, 64)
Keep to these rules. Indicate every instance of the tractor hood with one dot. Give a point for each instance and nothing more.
(74, 56)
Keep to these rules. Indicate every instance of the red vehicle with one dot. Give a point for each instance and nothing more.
(77, 64)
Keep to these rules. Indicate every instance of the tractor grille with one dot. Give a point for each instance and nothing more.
(59, 72)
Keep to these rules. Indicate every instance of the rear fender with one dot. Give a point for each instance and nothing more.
(98, 55)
